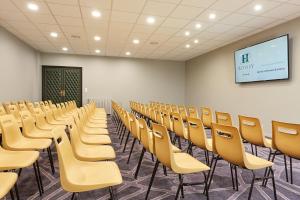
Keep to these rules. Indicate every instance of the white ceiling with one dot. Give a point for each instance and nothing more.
(125, 20)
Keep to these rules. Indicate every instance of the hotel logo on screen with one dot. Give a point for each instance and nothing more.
(245, 58)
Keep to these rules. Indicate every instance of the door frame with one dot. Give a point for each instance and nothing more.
(62, 67)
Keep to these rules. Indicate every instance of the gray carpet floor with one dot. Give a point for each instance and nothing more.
(164, 187)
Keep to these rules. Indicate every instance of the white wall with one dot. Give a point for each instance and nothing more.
(18, 67)
(125, 79)
(210, 81)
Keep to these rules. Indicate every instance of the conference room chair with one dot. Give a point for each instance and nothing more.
(51, 120)
(87, 152)
(197, 136)
(17, 160)
(30, 106)
(159, 116)
(13, 109)
(135, 132)
(81, 176)
(206, 117)
(91, 112)
(126, 130)
(83, 127)
(91, 139)
(286, 140)
(8, 181)
(228, 136)
(193, 112)
(174, 108)
(89, 122)
(180, 163)
(14, 140)
(179, 129)
(223, 118)
(94, 118)
(182, 112)
(40, 120)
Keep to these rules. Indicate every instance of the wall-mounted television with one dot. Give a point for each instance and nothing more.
(265, 61)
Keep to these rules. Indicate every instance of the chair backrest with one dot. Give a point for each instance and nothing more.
(196, 132)
(178, 126)
(174, 108)
(23, 107)
(27, 121)
(167, 121)
(2, 110)
(30, 106)
(206, 116)
(134, 126)
(227, 143)
(251, 130)
(286, 138)
(66, 158)
(182, 112)
(162, 144)
(145, 134)
(159, 118)
(193, 112)
(14, 111)
(10, 130)
(223, 118)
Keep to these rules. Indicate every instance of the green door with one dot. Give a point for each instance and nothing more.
(62, 84)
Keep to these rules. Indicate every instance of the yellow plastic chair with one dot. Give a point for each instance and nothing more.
(146, 139)
(179, 128)
(88, 130)
(89, 123)
(193, 112)
(81, 176)
(50, 119)
(135, 132)
(87, 152)
(228, 136)
(8, 180)
(179, 163)
(285, 140)
(223, 118)
(41, 122)
(167, 121)
(14, 160)
(197, 136)
(182, 112)
(206, 117)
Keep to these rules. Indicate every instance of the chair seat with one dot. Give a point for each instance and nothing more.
(209, 144)
(183, 163)
(86, 176)
(40, 134)
(93, 125)
(99, 117)
(268, 143)
(95, 139)
(86, 152)
(95, 131)
(17, 159)
(175, 149)
(7, 180)
(49, 127)
(253, 162)
(27, 144)
(97, 121)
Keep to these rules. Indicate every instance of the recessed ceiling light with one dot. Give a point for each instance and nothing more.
(187, 46)
(187, 33)
(54, 34)
(96, 13)
(97, 38)
(128, 53)
(97, 51)
(212, 16)
(196, 41)
(257, 7)
(65, 49)
(150, 20)
(198, 26)
(32, 6)
(136, 41)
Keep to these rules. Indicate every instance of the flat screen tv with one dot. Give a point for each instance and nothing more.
(265, 61)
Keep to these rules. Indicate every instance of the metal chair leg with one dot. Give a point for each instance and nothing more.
(236, 179)
(51, 160)
(179, 186)
(37, 178)
(139, 164)
(165, 170)
(252, 184)
(73, 196)
(286, 170)
(267, 171)
(273, 181)
(212, 170)
(40, 177)
(152, 178)
(128, 134)
(233, 185)
(205, 185)
(133, 142)
(291, 169)
(17, 191)
(12, 196)
(111, 192)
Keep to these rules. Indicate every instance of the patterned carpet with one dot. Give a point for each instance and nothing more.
(164, 187)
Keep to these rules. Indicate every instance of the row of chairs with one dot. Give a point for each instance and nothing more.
(79, 157)
(285, 136)
(193, 130)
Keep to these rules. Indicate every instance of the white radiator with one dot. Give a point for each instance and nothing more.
(102, 103)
